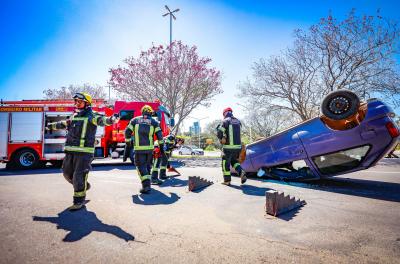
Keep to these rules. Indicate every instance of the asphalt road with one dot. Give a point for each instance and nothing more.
(354, 218)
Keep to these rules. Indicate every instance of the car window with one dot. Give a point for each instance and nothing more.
(340, 161)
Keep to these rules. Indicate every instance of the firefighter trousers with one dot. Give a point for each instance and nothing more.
(143, 161)
(76, 167)
(160, 164)
(230, 158)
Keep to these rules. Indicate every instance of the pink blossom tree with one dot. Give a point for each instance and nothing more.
(176, 75)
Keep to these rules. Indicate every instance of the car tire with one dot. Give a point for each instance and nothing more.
(340, 104)
(193, 153)
(26, 159)
(180, 152)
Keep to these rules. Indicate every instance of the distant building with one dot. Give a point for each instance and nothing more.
(195, 129)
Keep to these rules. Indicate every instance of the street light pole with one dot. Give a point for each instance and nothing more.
(171, 15)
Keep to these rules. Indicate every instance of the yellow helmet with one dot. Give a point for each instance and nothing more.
(83, 96)
(146, 109)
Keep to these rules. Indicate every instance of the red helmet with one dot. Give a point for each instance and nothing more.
(226, 110)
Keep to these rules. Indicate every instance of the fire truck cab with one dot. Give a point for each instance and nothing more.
(127, 111)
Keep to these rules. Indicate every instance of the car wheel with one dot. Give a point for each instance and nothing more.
(26, 159)
(180, 152)
(193, 153)
(340, 104)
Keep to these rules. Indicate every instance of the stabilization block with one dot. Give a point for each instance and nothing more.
(196, 183)
(277, 203)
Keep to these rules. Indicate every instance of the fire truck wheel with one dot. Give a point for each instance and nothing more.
(26, 159)
(56, 163)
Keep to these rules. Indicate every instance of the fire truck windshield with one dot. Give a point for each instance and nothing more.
(126, 114)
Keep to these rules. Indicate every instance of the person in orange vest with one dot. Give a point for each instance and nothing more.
(79, 145)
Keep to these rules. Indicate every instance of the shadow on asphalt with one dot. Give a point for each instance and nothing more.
(81, 223)
(172, 181)
(250, 190)
(289, 215)
(155, 197)
(387, 191)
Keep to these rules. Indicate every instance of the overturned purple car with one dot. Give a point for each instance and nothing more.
(348, 136)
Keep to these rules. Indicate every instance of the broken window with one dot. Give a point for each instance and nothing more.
(341, 161)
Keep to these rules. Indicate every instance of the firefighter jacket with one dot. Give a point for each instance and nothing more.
(81, 130)
(230, 130)
(141, 131)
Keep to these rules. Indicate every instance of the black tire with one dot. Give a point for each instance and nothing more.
(26, 159)
(340, 104)
(180, 152)
(56, 163)
(193, 153)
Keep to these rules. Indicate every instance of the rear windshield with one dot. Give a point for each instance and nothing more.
(126, 114)
(341, 161)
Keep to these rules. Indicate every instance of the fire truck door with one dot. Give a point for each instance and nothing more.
(26, 127)
(3, 135)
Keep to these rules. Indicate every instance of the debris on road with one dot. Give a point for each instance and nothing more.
(277, 203)
(195, 183)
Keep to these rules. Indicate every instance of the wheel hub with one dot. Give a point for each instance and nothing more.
(339, 105)
(27, 159)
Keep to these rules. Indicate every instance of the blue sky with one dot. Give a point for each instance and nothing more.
(53, 43)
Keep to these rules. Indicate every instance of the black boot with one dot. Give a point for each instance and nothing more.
(243, 177)
(163, 175)
(154, 178)
(145, 187)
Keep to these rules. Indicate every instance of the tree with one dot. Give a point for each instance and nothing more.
(356, 53)
(96, 91)
(266, 121)
(175, 75)
(210, 132)
(286, 83)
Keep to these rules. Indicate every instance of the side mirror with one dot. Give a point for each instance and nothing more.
(172, 122)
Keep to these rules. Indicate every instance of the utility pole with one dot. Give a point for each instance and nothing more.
(171, 15)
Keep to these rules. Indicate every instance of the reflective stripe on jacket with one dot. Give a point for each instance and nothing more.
(81, 129)
(230, 129)
(142, 130)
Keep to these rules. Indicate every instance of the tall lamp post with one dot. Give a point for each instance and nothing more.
(171, 15)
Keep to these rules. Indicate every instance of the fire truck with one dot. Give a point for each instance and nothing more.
(26, 144)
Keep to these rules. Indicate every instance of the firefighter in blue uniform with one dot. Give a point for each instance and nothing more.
(79, 146)
(140, 134)
(228, 132)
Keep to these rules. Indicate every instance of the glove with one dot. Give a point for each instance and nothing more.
(115, 118)
(223, 141)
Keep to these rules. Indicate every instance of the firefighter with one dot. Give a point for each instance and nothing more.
(79, 146)
(160, 161)
(140, 134)
(228, 132)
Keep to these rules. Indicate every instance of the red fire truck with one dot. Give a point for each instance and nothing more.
(25, 143)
